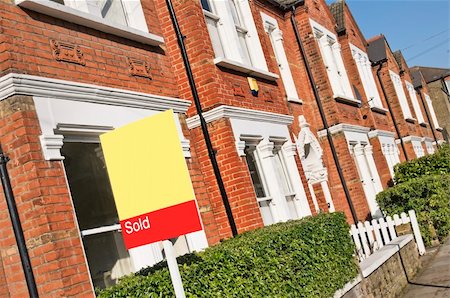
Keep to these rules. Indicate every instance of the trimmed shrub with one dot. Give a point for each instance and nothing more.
(437, 163)
(429, 196)
(311, 257)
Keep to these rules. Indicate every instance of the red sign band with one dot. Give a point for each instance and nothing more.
(160, 225)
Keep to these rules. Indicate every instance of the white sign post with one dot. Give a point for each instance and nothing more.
(173, 269)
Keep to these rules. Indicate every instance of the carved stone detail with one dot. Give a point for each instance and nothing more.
(139, 68)
(238, 91)
(63, 51)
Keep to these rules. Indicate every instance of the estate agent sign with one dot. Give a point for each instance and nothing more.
(150, 180)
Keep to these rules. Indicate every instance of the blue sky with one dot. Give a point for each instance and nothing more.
(421, 29)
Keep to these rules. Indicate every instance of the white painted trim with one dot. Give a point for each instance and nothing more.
(99, 230)
(427, 139)
(21, 84)
(343, 128)
(247, 69)
(276, 37)
(412, 139)
(239, 113)
(88, 20)
(382, 133)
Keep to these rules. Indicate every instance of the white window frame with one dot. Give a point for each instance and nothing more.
(228, 52)
(330, 50)
(429, 145)
(77, 11)
(365, 73)
(401, 95)
(417, 146)
(415, 102)
(276, 39)
(431, 109)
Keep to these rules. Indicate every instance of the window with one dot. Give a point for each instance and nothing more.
(365, 164)
(429, 146)
(401, 95)
(331, 55)
(276, 40)
(269, 171)
(96, 213)
(417, 146)
(431, 109)
(233, 33)
(127, 13)
(415, 102)
(391, 153)
(254, 167)
(124, 18)
(365, 73)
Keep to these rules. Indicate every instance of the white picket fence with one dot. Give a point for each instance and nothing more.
(371, 236)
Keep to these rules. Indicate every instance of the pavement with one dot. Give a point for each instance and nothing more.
(433, 281)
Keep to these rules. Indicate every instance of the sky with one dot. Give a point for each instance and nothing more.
(419, 28)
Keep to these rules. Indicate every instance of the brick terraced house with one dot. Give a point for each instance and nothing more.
(304, 115)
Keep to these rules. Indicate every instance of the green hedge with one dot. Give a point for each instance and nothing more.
(438, 163)
(429, 196)
(311, 257)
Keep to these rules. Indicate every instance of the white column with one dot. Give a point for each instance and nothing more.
(327, 194)
(265, 152)
(364, 173)
(300, 200)
(368, 152)
(313, 196)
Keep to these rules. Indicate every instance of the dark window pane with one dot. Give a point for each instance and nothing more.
(89, 185)
(256, 179)
(206, 5)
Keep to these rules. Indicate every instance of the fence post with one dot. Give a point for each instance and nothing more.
(416, 231)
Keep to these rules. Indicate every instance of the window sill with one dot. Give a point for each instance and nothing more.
(411, 120)
(347, 100)
(379, 110)
(439, 129)
(294, 99)
(251, 71)
(69, 14)
(423, 124)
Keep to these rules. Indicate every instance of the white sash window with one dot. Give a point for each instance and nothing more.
(401, 95)
(365, 73)
(330, 50)
(431, 109)
(415, 102)
(233, 32)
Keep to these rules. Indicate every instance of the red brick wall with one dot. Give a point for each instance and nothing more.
(45, 210)
(236, 178)
(26, 37)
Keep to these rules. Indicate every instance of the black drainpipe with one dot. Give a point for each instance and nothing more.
(17, 226)
(380, 65)
(211, 152)
(323, 117)
(428, 116)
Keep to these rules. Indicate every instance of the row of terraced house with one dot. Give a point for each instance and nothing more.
(305, 115)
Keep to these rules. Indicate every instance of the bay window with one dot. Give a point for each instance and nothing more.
(365, 164)
(269, 167)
